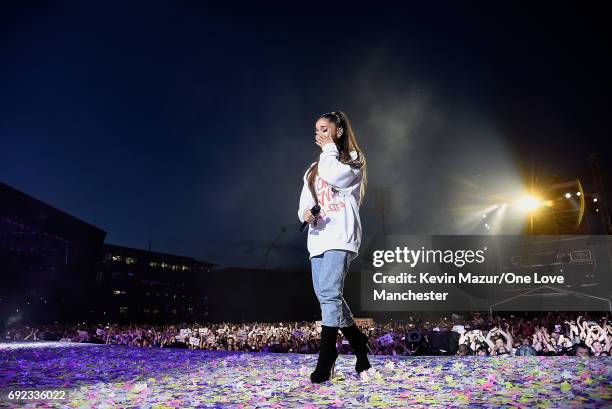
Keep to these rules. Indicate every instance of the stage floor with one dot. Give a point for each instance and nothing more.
(119, 376)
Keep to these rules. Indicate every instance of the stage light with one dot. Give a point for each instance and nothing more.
(595, 199)
(578, 194)
(568, 195)
(528, 203)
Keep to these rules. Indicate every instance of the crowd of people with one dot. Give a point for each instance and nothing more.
(478, 334)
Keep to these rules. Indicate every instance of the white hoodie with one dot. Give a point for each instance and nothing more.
(338, 187)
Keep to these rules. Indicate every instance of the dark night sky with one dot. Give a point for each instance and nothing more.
(197, 121)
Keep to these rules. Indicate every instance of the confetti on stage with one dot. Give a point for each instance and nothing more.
(112, 376)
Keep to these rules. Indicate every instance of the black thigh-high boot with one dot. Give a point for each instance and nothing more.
(327, 355)
(359, 344)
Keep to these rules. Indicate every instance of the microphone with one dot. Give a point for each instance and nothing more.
(315, 211)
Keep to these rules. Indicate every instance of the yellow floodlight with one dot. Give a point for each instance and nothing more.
(529, 203)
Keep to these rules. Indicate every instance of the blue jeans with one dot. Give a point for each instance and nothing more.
(328, 272)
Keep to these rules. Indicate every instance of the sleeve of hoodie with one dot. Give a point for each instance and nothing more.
(306, 199)
(333, 171)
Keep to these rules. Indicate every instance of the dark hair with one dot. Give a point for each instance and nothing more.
(482, 348)
(346, 143)
(581, 345)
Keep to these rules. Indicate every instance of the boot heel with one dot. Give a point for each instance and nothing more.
(367, 344)
(333, 370)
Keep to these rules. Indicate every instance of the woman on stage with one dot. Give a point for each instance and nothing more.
(336, 182)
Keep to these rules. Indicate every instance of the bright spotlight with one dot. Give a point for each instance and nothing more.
(568, 195)
(528, 203)
(595, 199)
(578, 194)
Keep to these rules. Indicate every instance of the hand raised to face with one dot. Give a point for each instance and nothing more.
(323, 138)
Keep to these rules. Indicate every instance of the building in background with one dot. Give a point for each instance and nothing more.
(141, 285)
(47, 260)
(56, 267)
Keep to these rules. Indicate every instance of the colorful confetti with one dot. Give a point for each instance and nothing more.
(113, 376)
